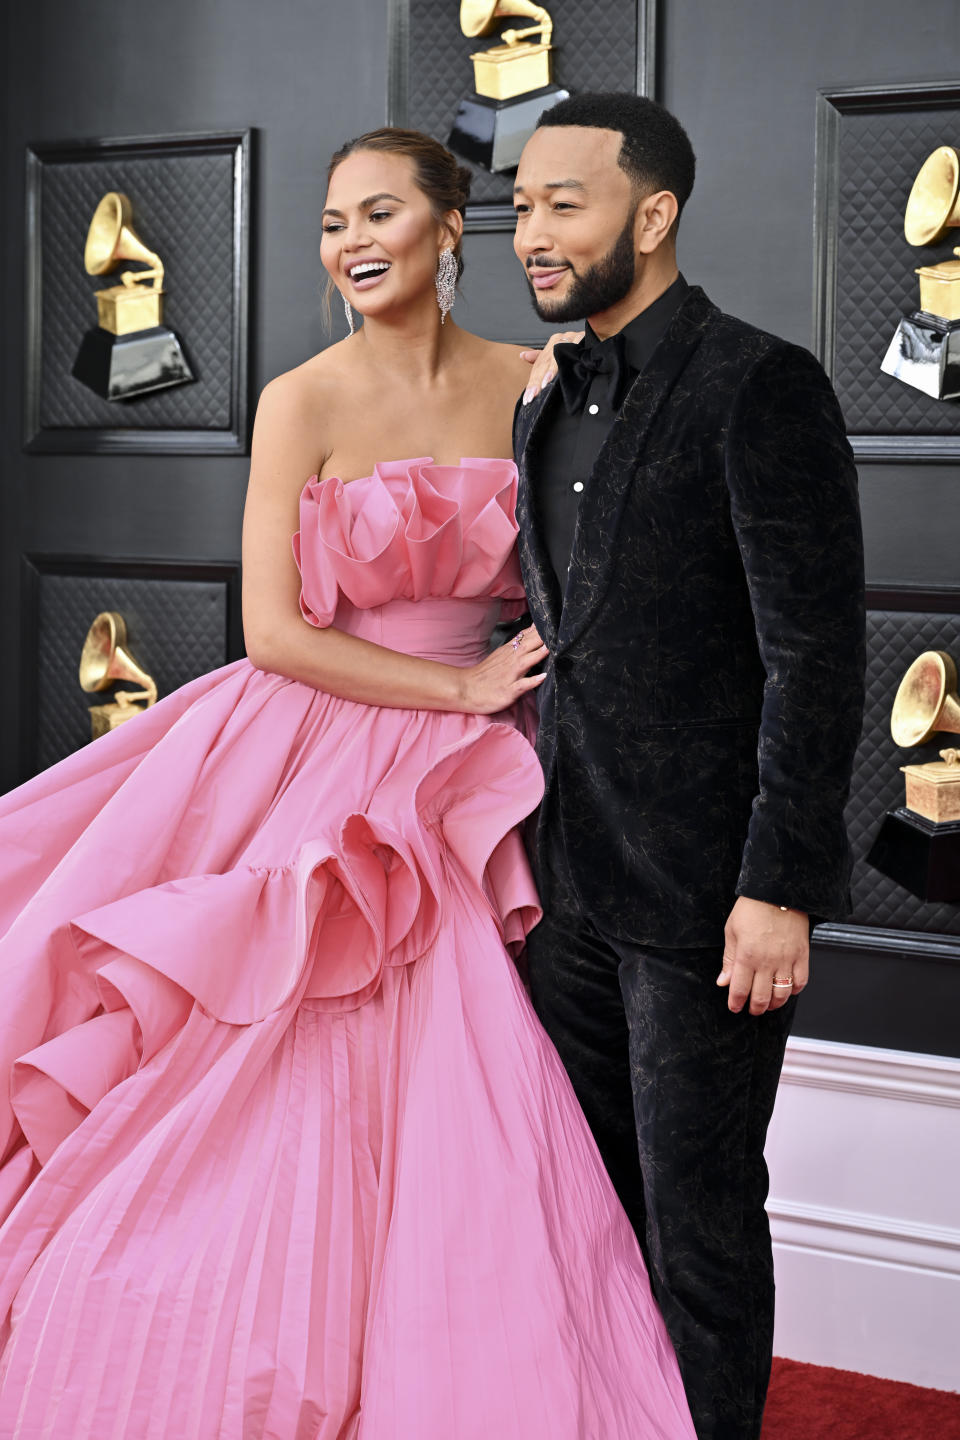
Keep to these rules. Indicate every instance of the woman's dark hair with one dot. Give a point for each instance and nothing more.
(656, 152)
(439, 174)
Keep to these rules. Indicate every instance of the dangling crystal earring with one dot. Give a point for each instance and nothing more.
(348, 308)
(446, 283)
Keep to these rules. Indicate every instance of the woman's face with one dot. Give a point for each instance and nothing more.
(380, 239)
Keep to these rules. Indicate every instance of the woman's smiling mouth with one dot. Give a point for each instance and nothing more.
(363, 274)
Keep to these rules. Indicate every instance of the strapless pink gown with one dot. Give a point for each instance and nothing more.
(287, 1153)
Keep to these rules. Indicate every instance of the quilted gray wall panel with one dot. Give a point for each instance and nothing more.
(177, 629)
(895, 638)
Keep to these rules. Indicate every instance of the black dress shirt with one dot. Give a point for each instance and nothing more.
(573, 441)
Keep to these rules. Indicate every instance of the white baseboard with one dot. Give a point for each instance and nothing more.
(887, 1074)
(874, 1239)
(864, 1156)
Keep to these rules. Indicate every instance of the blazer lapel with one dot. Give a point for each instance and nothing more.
(540, 582)
(620, 457)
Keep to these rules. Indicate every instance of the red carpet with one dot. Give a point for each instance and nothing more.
(810, 1402)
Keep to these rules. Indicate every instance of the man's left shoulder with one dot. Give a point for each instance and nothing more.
(747, 349)
(780, 391)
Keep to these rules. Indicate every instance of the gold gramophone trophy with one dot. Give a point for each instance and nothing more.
(512, 84)
(105, 661)
(918, 844)
(925, 351)
(131, 352)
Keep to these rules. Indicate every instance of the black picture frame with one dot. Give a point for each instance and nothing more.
(905, 109)
(142, 590)
(903, 620)
(49, 425)
(893, 984)
(892, 989)
(401, 32)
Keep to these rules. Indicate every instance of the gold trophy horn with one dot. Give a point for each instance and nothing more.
(933, 205)
(478, 17)
(112, 238)
(132, 305)
(926, 701)
(105, 660)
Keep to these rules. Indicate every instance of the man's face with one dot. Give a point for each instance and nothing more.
(575, 221)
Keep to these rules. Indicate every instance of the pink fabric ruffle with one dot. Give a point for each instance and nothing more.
(121, 979)
(410, 530)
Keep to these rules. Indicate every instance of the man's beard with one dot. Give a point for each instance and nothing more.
(597, 289)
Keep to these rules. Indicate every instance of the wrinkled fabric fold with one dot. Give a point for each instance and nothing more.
(244, 943)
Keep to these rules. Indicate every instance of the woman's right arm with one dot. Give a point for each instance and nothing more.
(544, 363)
(280, 640)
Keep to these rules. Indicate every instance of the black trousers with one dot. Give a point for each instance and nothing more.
(678, 1092)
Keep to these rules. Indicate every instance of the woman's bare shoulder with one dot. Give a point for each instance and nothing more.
(505, 360)
(292, 435)
(316, 379)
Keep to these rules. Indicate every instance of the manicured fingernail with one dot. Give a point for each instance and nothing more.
(529, 394)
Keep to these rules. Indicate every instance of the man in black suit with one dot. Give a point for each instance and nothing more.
(691, 547)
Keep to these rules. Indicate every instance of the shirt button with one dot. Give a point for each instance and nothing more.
(578, 486)
(593, 409)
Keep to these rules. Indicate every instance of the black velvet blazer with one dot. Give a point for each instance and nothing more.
(705, 684)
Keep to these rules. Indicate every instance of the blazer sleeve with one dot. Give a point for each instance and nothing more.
(795, 511)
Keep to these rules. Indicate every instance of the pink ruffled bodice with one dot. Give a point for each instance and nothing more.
(384, 557)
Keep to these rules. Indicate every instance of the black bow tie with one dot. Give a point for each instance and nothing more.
(578, 366)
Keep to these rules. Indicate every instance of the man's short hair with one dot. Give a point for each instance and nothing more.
(656, 152)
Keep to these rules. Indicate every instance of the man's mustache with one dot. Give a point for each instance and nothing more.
(548, 265)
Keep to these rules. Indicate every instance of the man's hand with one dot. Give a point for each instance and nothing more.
(764, 945)
(544, 365)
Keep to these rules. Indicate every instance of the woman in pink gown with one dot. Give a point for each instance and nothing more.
(287, 1155)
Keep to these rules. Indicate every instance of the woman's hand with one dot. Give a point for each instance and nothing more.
(544, 365)
(502, 678)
